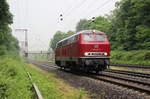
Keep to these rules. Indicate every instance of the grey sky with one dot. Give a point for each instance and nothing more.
(41, 17)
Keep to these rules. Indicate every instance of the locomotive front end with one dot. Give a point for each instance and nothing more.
(94, 51)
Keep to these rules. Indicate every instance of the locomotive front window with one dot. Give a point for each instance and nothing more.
(100, 38)
(88, 37)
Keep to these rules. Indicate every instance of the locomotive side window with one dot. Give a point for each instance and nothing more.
(71, 39)
(100, 37)
(76, 38)
(65, 42)
(59, 45)
(88, 37)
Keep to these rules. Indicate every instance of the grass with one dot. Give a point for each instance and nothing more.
(15, 84)
(141, 57)
(52, 87)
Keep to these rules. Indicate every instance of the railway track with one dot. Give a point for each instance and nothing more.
(138, 74)
(125, 83)
(131, 66)
(131, 80)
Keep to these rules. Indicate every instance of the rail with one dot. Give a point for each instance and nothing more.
(138, 74)
(131, 66)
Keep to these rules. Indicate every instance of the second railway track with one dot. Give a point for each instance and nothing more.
(135, 83)
(138, 74)
(131, 66)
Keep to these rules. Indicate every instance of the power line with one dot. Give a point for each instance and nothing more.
(76, 7)
(94, 10)
(91, 3)
(101, 6)
(70, 11)
(70, 7)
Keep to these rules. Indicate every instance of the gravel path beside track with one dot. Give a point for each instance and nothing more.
(101, 89)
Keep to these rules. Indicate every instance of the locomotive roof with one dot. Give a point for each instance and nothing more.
(80, 32)
(91, 31)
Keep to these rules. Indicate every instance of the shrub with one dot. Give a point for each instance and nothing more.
(131, 57)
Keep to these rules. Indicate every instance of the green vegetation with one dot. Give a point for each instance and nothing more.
(99, 23)
(52, 87)
(131, 25)
(15, 84)
(7, 41)
(141, 57)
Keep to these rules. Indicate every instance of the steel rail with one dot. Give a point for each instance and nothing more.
(131, 66)
(124, 84)
(139, 74)
(126, 79)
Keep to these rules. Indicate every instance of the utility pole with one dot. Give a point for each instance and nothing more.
(26, 40)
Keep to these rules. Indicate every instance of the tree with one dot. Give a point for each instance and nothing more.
(82, 25)
(59, 36)
(99, 23)
(7, 41)
(130, 25)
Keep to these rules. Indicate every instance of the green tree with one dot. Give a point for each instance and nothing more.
(59, 36)
(82, 25)
(99, 23)
(130, 25)
(7, 41)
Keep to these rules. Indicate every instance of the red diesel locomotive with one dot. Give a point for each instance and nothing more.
(87, 50)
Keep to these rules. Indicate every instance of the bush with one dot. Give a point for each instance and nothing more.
(131, 57)
(3, 89)
(3, 50)
(14, 83)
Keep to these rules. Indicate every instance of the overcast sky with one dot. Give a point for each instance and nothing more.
(41, 17)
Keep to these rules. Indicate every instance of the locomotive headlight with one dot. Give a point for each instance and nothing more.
(105, 54)
(86, 54)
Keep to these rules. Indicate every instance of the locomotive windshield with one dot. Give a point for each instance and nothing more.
(88, 37)
(94, 37)
(100, 37)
